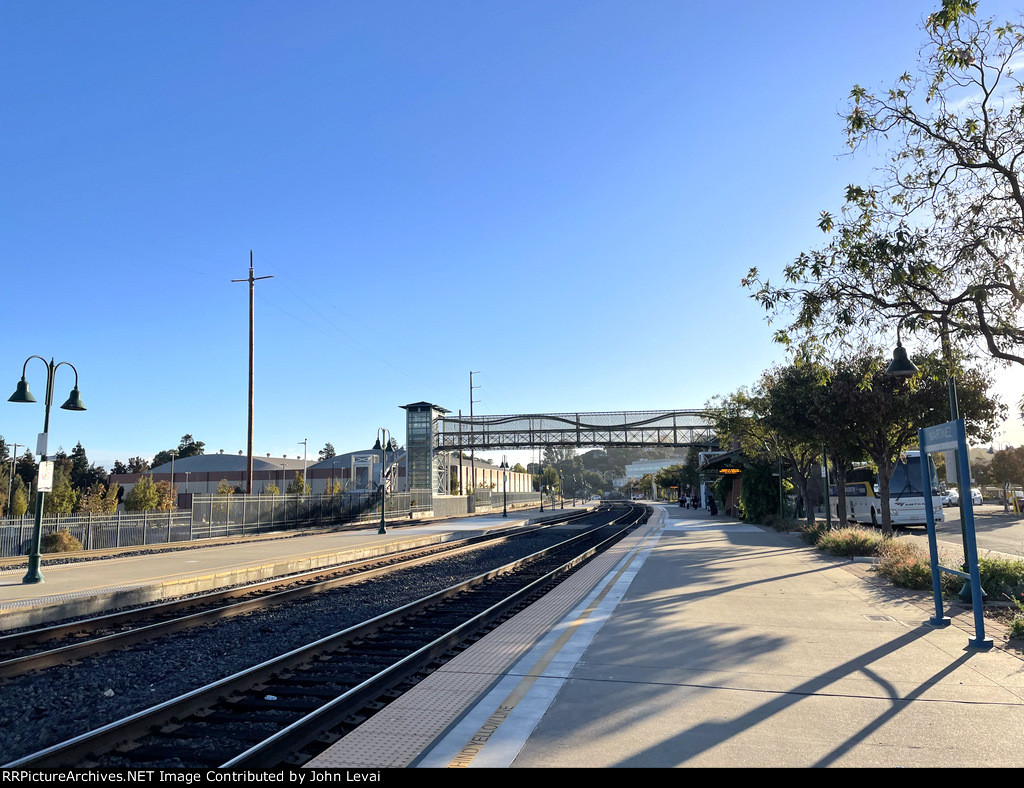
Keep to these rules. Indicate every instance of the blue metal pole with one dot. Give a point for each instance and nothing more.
(938, 620)
(970, 543)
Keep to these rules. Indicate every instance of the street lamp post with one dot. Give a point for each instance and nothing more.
(170, 492)
(74, 402)
(561, 488)
(382, 445)
(304, 441)
(504, 486)
(902, 367)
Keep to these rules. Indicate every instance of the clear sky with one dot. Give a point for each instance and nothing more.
(561, 195)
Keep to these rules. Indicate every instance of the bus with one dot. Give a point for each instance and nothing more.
(906, 498)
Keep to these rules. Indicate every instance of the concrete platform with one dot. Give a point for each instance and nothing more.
(93, 587)
(703, 642)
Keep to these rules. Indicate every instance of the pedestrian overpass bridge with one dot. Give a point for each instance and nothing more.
(433, 433)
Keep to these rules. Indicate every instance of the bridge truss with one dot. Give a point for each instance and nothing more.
(639, 429)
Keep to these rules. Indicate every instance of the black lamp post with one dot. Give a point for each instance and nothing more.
(504, 486)
(561, 488)
(74, 402)
(383, 444)
(902, 367)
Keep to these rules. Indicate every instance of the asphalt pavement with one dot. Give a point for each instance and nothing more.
(995, 531)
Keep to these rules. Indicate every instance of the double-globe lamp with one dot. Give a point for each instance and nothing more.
(74, 402)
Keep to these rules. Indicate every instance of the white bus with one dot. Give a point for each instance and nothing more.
(906, 498)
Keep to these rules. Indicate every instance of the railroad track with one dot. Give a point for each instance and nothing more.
(31, 650)
(284, 710)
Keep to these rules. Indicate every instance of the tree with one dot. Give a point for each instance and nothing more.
(1007, 467)
(79, 467)
(18, 504)
(771, 422)
(224, 487)
(93, 500)
(27, 468)
(298, 485)
(936, 244)
(887, 412)
(143, 497)
(63, 498)
(167, 498)
(137, 465)
(271, 489)
(333, 487)
(327, 452)
(833, 421)
(187, 447)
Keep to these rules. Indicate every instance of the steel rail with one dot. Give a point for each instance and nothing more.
(356, 571)
(275, 748)
(79, 749)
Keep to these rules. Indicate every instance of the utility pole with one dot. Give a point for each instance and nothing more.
(251, 280)
(472, 428)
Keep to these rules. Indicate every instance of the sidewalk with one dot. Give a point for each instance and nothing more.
(730, 645)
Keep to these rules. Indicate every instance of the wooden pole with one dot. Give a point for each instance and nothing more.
(252, 288)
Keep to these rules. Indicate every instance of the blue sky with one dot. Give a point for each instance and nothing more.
(560, 195)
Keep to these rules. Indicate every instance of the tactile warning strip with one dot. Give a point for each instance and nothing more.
(399, 733)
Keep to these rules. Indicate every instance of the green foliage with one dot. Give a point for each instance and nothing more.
(297, 486)
(812, 534)
(327, 452)
(60, 542)
(759, 493)
(1017, 623)
(167, 498)
(19, 498)
(224, 487)
(905, 565)
(94, 500)
(143, 497)
(851, 542)
(935, 243)
(63, 498)
(187, 447)
(784, 524)
(1001, 577)
(333, 487)
(272, 489)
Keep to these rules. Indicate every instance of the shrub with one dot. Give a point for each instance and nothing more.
(850, 541)
(781, 524)
(907, 565)
(60, 542)
(904, 564)
(1002, 576)
(1017, 624)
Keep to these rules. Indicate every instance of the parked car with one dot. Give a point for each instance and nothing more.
(976, 497)
(951, 497)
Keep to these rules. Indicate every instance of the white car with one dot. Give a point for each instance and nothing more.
(951, 497)
(976, 497)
